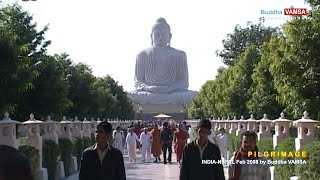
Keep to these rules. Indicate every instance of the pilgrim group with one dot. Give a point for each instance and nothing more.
(154, 139)
(104, 160)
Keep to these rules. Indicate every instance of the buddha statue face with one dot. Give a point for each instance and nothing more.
(161, 34)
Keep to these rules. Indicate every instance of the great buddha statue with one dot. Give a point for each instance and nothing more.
(161, 72)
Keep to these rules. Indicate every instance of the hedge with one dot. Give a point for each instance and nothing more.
(66, 149)
(77, 148)
(310, 170)
(231, 138)
(87, 142)
(34, 157)
(51, 153)
(265, 144)
(234, 142)
(285, 171)
(318, 133)
(93, 138)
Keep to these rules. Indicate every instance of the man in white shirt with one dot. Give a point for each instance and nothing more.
(132, 140)
(146, 140)
(118, 139)
(222, 140)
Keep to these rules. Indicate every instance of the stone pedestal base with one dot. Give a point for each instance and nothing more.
(60, 171)
(43, 174)
(298, 142)
(161, 108)
(148, 111)
(272, 169)
(74, 165)
(182, 97)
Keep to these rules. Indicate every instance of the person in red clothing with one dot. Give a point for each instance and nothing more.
(180, 140)
(173, 128)
(137, 130)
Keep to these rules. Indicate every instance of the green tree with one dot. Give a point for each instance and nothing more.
(242, 81)
(81, 91)
(104, 101)
(50, 93)
(263, 95)
(228, 93)
(314, 4)
(124, 106)
(236, 43)
(296, 66)
(21, 49)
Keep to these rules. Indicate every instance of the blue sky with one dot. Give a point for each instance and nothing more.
(107, 35)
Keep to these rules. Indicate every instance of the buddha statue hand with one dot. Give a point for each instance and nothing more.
(156, 89)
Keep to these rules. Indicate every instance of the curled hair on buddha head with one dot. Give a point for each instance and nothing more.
(204, 123)
(163, 23)
(14, 165)
(107, 127)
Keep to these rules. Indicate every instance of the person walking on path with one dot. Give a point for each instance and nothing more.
(222, 140)
(156, 143)
(166, 141)
(137, 130)
(198, 150)
(180, 140)
(146, 141)
(132, 140)
(102, 161)
(118, 139)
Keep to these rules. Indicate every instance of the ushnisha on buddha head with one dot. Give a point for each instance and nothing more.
(161, 33)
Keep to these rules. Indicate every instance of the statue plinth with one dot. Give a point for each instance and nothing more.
(181, 98)
(161, 108)
(148, 111)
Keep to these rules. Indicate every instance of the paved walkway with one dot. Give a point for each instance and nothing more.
(148, 171)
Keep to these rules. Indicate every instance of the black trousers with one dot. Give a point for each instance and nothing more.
(165, 147)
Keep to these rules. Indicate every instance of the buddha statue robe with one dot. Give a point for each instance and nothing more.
(161, 74)
(161, 77)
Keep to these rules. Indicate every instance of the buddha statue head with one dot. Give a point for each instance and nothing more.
(161, 34)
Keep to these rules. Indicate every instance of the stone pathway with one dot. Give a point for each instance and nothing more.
(148, 171)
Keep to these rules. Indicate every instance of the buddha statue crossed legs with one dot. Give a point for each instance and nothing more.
(161, 73)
